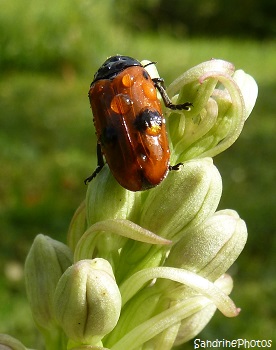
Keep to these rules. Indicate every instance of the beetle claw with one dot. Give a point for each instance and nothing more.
(176, 166)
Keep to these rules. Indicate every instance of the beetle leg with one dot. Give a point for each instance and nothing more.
(99, 165)
(159, 84)
(175, 167)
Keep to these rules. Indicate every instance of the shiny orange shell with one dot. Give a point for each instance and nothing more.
(130, 128)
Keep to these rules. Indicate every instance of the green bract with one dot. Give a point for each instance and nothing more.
(9, 343)
(149, 268)
(45, 264)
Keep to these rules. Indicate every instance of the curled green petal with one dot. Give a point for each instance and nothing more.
(190, 279)
(185, 128)
(187, 135)
(9, 343)
(215, 65)
(248, 88)
(159, 323)
(193, 325)
(179, 319)
(117, 228)
(230, 121)
(222, 100)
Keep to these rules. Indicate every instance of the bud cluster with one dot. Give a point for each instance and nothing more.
(147, 270)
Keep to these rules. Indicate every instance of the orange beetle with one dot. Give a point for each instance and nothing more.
(129, 123)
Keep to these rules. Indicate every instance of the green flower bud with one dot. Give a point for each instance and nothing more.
(45, 263)
(192, 194)
(210, 248)
(87, 301)
(9, 343)
(222, 102)
(105, 192)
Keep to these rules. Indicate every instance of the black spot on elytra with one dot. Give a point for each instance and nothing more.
(147, 119)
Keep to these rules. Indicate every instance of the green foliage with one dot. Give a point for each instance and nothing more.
(53, 36)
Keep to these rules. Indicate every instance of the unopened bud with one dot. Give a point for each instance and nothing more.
(45, 263)
(192, 194)
(87, 301)
(211, 247)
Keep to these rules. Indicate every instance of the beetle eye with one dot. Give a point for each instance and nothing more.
(145, 74)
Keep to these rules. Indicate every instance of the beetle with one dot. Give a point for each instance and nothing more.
(129, 123)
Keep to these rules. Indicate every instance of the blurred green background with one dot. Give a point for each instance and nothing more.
(49, 52)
